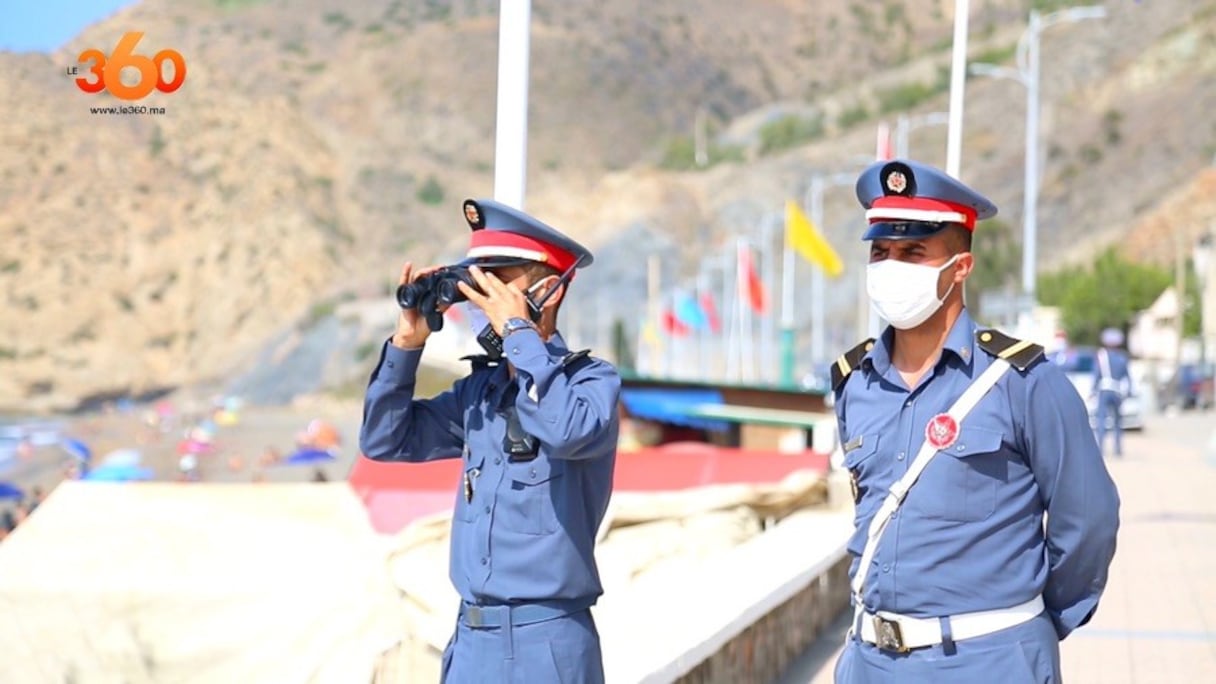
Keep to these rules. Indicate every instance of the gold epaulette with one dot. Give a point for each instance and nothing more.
(1021, 354)
(848, 361)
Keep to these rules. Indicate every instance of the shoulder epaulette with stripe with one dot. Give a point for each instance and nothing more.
(1021, 354)
(848, 361)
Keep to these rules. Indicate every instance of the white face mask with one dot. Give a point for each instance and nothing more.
(905, 294)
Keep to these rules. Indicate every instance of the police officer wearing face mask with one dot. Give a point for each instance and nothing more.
(986, 518)
(536, 429)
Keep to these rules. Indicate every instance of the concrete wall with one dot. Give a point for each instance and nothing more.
(763, 651)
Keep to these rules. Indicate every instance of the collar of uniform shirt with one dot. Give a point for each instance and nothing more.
(960, 343)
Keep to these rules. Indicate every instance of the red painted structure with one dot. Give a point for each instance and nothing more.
(396, 494)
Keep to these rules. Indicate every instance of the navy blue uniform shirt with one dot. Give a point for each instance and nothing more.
(527, 532)
(1020, 504)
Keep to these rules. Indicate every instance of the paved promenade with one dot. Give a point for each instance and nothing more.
(1157, 620)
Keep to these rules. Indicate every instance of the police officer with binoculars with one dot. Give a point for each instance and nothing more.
(535, 425)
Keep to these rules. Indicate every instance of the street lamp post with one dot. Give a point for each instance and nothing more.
(1028, 75)
(905, 124)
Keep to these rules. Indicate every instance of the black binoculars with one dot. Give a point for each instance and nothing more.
(435, 290)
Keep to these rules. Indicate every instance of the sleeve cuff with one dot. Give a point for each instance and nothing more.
(1075, 616)
(397, 366)
(526, 351)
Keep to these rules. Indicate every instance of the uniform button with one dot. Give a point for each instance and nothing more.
(485, 561)
(885, 567)
(487, 510)
(515, 350)
(899, 456)
(908, 403)
(389, 364)
(532, 473)
(497, 461)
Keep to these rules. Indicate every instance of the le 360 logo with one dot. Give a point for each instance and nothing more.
(105, 73)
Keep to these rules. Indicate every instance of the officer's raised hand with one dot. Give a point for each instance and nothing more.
(412, 329)
(501, 301)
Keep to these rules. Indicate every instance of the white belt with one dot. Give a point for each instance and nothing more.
(901, 633)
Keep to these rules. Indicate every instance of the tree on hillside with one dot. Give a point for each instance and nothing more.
(1108, 294)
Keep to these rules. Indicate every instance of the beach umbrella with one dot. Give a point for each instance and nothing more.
(9, 490)
(308, 457)
(119, 473)
(76, 448)
(192, 446)
(320, 434)
(123, 457)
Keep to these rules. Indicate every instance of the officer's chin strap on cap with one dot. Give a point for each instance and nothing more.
(535, 308)
(491, 341)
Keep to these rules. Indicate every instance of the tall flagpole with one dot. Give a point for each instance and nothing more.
(787, 312)
(768, 319)
(747, 347)
(705, 332)
(730, 294)
(511, 136)
(818, 305)
(652, 312)
(958, 83)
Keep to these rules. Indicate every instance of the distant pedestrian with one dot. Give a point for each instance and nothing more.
(1112, 384)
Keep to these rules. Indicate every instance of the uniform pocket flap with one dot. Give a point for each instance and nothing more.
(975, 440)
(859, 448)
(536, 471)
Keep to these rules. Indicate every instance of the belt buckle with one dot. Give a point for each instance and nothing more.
(889, 636)
(472, 616)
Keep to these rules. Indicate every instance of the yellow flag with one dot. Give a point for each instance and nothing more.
(651, 336)
(802, 235)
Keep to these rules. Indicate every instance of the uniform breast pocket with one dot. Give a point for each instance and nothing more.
(535, 494)
(864, 474)
(960, 484)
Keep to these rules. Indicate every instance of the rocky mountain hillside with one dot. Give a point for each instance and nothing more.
(316, 145)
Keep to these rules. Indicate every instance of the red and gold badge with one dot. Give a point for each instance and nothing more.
(942, 431)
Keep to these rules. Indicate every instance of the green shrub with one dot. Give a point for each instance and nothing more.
(431, 191)
(853, 116)
(789, 131)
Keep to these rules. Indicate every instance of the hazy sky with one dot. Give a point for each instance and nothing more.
(45, 25)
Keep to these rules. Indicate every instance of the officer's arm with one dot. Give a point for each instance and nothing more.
(1077, 492)
(571, 410)
(397, 427)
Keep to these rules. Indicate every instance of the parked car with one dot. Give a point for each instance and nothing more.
(1196, 385)
(1078, 364)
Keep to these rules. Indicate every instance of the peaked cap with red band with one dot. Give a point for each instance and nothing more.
(907, 200)
(505, 236)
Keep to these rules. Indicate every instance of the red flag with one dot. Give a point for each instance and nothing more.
(750, 285)
(711, 312)
(672, 325)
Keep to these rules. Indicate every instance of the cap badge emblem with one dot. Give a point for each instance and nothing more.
(897, 182)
